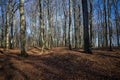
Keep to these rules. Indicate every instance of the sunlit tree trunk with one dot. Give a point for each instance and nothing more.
(41, 25)
(22, 29)
(7, 25)
(87, 48)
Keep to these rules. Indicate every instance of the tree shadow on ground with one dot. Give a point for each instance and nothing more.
(53, 66)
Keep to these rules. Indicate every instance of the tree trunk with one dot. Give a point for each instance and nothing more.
(22, 29)
(65, 23)
(11, 39)
(109, 25)
(91, 32)
(70, 25)
(41, 26)
(105, 26)
(3, 26)
(117, 21)
(7, 26)
(85, 23)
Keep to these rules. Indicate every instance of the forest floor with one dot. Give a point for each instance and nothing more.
(60, 64)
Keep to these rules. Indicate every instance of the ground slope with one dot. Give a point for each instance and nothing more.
(60, 64)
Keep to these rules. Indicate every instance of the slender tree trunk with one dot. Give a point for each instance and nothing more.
(7, 26)
(109, 25)
(11, 42)
(65, 27)
(3, 26)
(50, 42)
(65, 24)
(99, 29)
(41, 25)
(79, 27)
(76, 12)
(70, 24)
(105, 26)
(75, 22)
(117, 21)
(22, 29)
(87, 48)
(91, 11)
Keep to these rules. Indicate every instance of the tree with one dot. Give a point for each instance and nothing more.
(41, 26)
(91, 11)
(7, 25)
(13, 9)
(76, 22)
(50, 14)
(109, 25)
(70, 24)
(105, 26)
(65, 23)
(22, 29)
(3, 26)
(117, 20)
(85, 23)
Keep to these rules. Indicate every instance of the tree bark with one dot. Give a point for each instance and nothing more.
(117, 21)
(105, 26)
(70, 25)
(109, 25)
(41, 25)
(22, 29)
(85, 23)
(7, 26)
(3, 26)
(91, 11)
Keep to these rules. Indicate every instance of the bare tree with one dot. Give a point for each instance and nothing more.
(22, 29)
(105, 26)
(41, 25)
(109, 25)
(85, 23)
(70, 24)
(117, 21)
(7, 25)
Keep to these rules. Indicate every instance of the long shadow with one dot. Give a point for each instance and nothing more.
(111, 55)
(7, 68)
(73, 67)
(99, 53)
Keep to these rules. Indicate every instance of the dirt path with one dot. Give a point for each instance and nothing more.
(60, 64)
